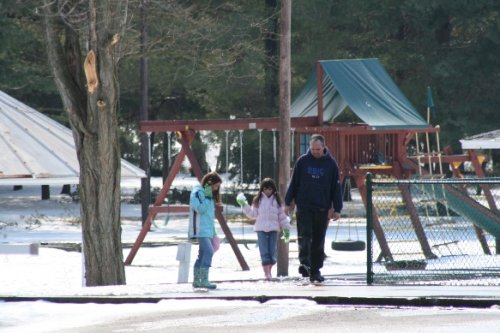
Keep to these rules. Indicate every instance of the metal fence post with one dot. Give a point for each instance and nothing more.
(369, 230)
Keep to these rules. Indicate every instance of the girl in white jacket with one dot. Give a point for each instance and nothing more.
(267, 210)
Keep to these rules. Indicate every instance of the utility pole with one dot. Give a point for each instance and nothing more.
(144, 114)
(285, 123)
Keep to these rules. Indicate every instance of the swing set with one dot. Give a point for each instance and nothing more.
(354, 146)
(186, 131)
(378, 146)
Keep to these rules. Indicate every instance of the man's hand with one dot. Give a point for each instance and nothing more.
(208, 191)
(333, 215)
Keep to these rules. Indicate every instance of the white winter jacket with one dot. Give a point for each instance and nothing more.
(269, 216)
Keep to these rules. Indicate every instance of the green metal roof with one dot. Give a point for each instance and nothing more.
(364, 86)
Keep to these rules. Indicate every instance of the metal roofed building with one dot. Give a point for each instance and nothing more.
(37, 150)
(487, 140)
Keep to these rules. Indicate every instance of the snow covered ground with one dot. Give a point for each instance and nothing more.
(24, 218)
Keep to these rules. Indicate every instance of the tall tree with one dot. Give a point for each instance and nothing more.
(205, 61)
(83, 39)
(24, 73)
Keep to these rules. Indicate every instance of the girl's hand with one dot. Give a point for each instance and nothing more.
(208, 191)
(241, 200)
(286, 235)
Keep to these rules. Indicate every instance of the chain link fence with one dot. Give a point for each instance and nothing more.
(433, 231)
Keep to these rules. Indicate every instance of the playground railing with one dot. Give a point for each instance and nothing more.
(433, 231)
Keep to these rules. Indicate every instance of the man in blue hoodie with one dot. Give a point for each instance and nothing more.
(316, 192)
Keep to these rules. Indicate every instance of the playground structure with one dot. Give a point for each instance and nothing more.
(387, 144)
(459, 259)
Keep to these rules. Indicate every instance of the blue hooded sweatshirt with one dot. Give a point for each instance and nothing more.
(315, 183)
(201, 214)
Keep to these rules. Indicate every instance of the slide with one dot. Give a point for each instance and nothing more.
(465, 206)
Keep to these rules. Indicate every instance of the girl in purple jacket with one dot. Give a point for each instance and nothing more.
(267, 210)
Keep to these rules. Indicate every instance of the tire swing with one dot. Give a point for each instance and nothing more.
(349, 244)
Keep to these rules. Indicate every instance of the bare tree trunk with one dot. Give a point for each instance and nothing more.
(89, 91)
(285, 91)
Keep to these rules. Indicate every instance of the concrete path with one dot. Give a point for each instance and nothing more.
(330, 292)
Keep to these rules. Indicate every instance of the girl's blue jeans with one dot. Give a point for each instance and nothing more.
(205, 253)
(267, 246)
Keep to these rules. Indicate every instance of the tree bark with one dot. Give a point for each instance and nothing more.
(90, 97)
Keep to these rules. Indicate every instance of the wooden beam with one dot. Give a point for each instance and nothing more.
(416, 223)
(491, 202)
(195, 165)
(480, 173)
(158, 202)
(169, 209)
(185, 139)
(300, 124)
(230, 238)
(221, 124)
(425, 158)
(377, 228)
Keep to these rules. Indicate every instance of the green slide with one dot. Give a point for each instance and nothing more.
(461, 203)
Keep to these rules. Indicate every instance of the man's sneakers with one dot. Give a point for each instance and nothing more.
(316, 277)
(304, 270)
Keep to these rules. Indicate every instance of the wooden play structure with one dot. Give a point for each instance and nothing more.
(388, 143)
(186, 130)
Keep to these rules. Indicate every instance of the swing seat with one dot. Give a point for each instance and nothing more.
(348, 245)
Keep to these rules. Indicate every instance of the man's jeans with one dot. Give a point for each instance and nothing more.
(311, 230)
